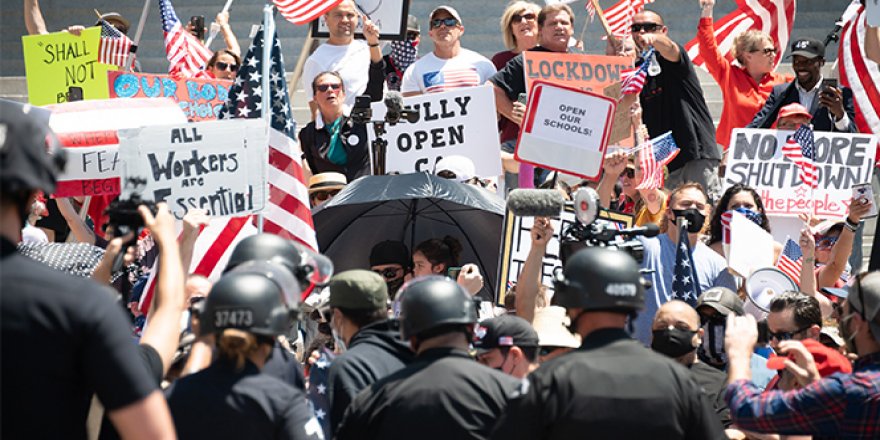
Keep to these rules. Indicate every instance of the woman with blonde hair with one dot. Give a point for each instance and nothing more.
(746, 86)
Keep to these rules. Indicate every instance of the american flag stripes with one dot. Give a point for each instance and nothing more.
(115, 46)
(620, 15)
(858, 72)
(791, 260)
(304, 11)
(451, 79)
(653, 157)
(773, 17)
(591, 10)
(186, 54)
(634, 79)
(287, 212)
(685, 285)
(799, 149)
(725, 226)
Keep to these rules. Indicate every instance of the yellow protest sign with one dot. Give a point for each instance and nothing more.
(56, 62)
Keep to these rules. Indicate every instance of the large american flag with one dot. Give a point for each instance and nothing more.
(791, 260)
(450, 79)
(634, 79)
(620, 16)
(304, 11)
(655, 155)
(773, 17)
(186, 54)
(115, 46)
(799, 148)
(685, 285)
(858, 72)
(287, 212)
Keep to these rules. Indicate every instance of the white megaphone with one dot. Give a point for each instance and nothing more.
(765, 284)
(586, 205)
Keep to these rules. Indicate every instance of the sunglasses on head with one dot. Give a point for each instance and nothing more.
(224, 66)
(325, 87)
(324, 195)
(448, 22)
(527, 16)
(388, 273)
(784, 336)
(765, 51)
(647, 27)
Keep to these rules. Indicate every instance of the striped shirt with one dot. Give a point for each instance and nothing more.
(431, 74)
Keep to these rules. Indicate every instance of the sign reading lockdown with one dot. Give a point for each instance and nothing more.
(218, 166)
(842, 160)
(565, 129)
(55, 62)
(586, 72)
(200, 99)
(458, 122)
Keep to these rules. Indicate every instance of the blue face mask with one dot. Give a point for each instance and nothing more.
(754, 216)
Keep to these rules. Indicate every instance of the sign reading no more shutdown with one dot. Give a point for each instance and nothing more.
(219, 166)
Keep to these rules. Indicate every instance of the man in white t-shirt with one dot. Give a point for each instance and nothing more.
(355, 61)
(449, 66)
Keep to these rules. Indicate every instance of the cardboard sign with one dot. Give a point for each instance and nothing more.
(55, 62)
(842, 160)
(565, 129)
(389, 15)
(200, 99)
(516, 242)
(457, 122)
(219, 166)
(591, 73)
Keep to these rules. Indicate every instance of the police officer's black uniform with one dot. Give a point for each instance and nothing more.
(444, 393)
(612, 387)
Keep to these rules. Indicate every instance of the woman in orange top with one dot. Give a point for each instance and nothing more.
(746, 86)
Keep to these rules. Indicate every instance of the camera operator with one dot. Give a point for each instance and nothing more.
(334, 142)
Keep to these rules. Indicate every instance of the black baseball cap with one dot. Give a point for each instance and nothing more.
(808, 47)
(30, 156)
(504, 331)
(723, 300)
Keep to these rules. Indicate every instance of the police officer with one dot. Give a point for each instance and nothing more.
(444, 393)
(63, 337)
(231, 399)
(612, 387)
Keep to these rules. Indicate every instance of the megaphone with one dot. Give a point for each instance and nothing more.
(765, 284)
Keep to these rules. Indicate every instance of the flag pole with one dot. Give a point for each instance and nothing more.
(601, 14)
(215, 29)
(137, 35)
(268, 44)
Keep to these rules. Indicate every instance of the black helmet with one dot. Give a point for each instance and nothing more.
(596, 278)
(431, 302)
(266, 247)
(290, 290)
(246, 301)
(30, 157)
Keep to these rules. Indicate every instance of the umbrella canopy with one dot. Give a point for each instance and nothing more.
(411, 208)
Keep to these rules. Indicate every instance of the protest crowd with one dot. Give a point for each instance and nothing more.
(544, 244)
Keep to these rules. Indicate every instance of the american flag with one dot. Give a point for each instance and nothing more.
(620, 15)
(653, 157)
(858, 72)
(304, 11)
(799, 149)
(319, 381)
(773, 17)
(685, 285)
(287, 212)
(725, 226)
(186, 54)
(450, 79)
(591, 10)
(115, 46)
(634, 79)
(790, 260)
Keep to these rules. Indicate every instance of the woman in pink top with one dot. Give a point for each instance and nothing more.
(746, 86)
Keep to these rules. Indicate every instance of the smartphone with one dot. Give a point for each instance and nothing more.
(198, 25)
(522, 98)
(828, 83)
(453, 272)
(74, 93)
(864, 191)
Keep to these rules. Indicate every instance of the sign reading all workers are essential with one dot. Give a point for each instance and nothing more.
(56, 62)
(842, 160)
(565, 129)
(459, 122)
(200, 99)
(586, 72)
(218, 166)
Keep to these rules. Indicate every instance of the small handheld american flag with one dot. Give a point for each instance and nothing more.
(790, 260)
(800, 149)
(653, 157)
(115, 46)
(634, 79)
(186, 55)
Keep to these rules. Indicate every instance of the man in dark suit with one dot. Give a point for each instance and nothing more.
(832, 108)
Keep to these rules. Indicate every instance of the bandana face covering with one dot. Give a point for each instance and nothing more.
(754, 216)
(711, 350)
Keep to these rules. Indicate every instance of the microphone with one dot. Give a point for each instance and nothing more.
(535, 202)
(649, 230)
(396, 111)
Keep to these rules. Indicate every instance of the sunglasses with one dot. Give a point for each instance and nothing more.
(547, 351)
(325, 87)
(448, 22)
(224, 66)
(784, 336)
(647, 27)
(527, 16)
(446, 174)
(629, 172)
(324, 195)
(826, 242)
(388, 273)
(766, 50)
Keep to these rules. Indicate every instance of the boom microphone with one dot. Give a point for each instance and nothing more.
(649, 230)
(535, 202)
(396, 111)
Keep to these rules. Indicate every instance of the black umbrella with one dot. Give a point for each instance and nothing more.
(411, 208)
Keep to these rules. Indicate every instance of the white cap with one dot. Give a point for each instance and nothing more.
(448, 9)
(461, 166)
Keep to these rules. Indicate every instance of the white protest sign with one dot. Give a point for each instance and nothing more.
(751, 247)
(842, 160)
(460, 122)
(219, 166)
(565, 129)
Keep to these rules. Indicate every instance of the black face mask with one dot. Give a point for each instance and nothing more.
(695, 218)
(393, 286)
(673, 342)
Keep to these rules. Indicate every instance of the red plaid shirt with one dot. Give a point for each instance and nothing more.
(838, 406)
